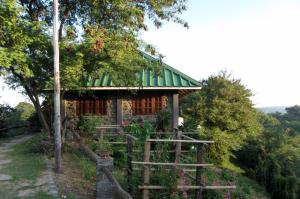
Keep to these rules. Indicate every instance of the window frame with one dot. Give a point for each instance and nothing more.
(97, 106)
(147, 104)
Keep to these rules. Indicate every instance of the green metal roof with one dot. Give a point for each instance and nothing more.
(168, 77)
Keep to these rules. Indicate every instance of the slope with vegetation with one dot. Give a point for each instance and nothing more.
(264, 147)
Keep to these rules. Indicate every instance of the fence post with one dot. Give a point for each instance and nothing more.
(129, 162)
(101, 135)
(198, 194)
(178, 146)
(146, 169)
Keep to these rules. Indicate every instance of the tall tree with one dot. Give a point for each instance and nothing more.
(225, 113)
(25, 110)
(97, 37)
(24, 47)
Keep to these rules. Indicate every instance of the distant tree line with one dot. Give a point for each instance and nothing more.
(18, 120)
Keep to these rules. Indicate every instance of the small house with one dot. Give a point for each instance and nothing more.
(116, 105)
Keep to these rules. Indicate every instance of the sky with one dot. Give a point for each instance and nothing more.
(257, 41)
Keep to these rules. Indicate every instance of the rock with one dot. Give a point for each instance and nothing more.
(4, 177)
(4, 161)
(5, 150)
(22, 184)
(26, 192)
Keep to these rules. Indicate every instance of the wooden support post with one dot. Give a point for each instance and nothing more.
(198, 194)
(129, 162)
(119, 111)
(177, 153)
(178, 135)
(175, 107)
(146, 169)
(101, 135)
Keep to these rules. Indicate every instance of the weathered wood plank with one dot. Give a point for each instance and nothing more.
(183, 141)
(187, 187)
(171, 164)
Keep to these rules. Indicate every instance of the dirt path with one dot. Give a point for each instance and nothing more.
(18, 179)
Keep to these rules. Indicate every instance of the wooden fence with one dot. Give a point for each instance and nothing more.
(179, 138)
(103, 170)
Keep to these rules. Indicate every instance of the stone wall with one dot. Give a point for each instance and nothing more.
(108, 119)
(127, 109)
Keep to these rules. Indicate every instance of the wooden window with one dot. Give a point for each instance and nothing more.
(91, 107)
(147, 105)
(158, 103)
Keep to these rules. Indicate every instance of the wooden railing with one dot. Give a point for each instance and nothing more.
(178, 139)
(102, 168)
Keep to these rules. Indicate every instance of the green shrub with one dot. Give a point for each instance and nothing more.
(41, 143)
(141, 130)
(163, 120)
(87, 125)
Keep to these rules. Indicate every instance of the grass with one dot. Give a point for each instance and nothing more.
(78, 180)
(40, 195)
(79, 173)
(25, 164)
(25, 168)
(246, 188)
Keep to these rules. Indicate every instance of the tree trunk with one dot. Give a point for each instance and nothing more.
(40, 114)
(31, 92)
(57, 122)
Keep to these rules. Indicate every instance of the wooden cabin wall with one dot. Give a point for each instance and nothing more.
(126, 110)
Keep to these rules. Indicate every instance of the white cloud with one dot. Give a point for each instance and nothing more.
(261, 49)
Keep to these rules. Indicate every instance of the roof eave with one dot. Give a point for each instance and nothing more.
(142, 88)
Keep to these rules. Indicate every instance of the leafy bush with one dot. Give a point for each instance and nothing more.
(34, 122)
(88, 124)
(163, 120)
(141, 129)
(41, 143)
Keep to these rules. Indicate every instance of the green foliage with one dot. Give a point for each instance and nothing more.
(225, 113)
(96, 37)
(290, 121)
(7, 114)
(88, 167)
(42, 144)
(87, 125)
(140, 130)
(25, 165)
(35, 123)
(16, 117)
(245, 187)
(25, 110)
(163, 120)
(272, 158)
